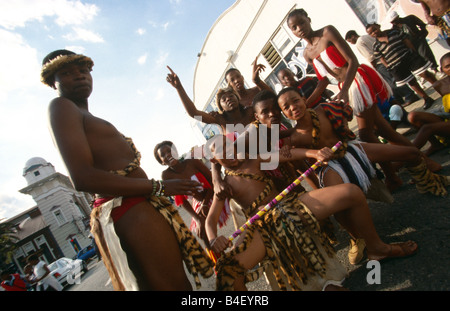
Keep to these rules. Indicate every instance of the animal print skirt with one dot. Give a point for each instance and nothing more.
(298, 250)
(115, 259)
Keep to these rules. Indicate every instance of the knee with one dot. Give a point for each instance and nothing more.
(353, 193)
(412, 117)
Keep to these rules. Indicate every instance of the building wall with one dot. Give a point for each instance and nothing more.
(59, 201)
(64, 210)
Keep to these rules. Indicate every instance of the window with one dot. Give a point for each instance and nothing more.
(59, 217)
(75, 245)
(271, 55)
(37, 173)
(28, 248)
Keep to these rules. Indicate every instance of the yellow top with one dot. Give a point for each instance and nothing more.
(446, 102)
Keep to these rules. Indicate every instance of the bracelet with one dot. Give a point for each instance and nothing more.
(160, 191)
(154, 187)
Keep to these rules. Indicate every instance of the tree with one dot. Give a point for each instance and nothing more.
(8, 241)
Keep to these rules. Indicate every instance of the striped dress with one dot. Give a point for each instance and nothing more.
(368, 86)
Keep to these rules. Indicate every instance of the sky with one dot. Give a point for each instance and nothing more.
(131, 43)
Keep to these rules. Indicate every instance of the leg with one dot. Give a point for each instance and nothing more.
(366, 124)
(395, 137)
(152, 250)
(349, 206)
(427, 132)
(255, 252)
(417, 88)
(426, 181)
(387, 152)
(418, 118)
(385, 129)
(428, 76)
(357, 246)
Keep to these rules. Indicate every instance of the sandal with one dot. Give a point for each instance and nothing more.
(404, 250)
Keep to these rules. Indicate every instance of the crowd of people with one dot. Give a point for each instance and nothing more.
(143, 240)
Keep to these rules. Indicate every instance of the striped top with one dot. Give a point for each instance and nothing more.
(392, 51)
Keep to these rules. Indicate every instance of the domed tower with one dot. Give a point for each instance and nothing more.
(37, 169)
(65, 210)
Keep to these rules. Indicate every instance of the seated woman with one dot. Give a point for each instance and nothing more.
(434, 127)
(288, 235)
(166, 154)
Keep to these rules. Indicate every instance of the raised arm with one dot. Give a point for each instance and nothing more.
(257, 69)
(192, 111)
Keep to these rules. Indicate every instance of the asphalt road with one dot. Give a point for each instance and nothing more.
(95, 279)
(423, 218)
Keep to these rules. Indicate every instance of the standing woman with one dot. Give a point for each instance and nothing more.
(166, 154)
(360, 85)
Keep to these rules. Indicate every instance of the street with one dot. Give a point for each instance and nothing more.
(95, 279)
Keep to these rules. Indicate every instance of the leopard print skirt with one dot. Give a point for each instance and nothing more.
(298, 250)
(122, 278)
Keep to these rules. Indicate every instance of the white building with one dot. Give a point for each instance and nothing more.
(59, 224)
(257, 28)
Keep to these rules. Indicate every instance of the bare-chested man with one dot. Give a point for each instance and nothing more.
(437, 12)
(130, 215)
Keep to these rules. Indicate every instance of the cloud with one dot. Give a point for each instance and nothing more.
(12, 205)
(17, 13)
(166, 25)
(143, 59)
(84, 35)
(19, 63)
(162, 59)
(141, 31)
(157, 25)
(74, 12)
(175, 2)
(75, 48)
(159, 94)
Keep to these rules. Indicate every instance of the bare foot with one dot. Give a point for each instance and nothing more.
(395, 250)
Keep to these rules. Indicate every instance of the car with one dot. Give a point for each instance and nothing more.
(87, 253)
(67, 271)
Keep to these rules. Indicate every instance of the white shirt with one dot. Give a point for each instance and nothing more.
(364, 44)
(49, 280)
